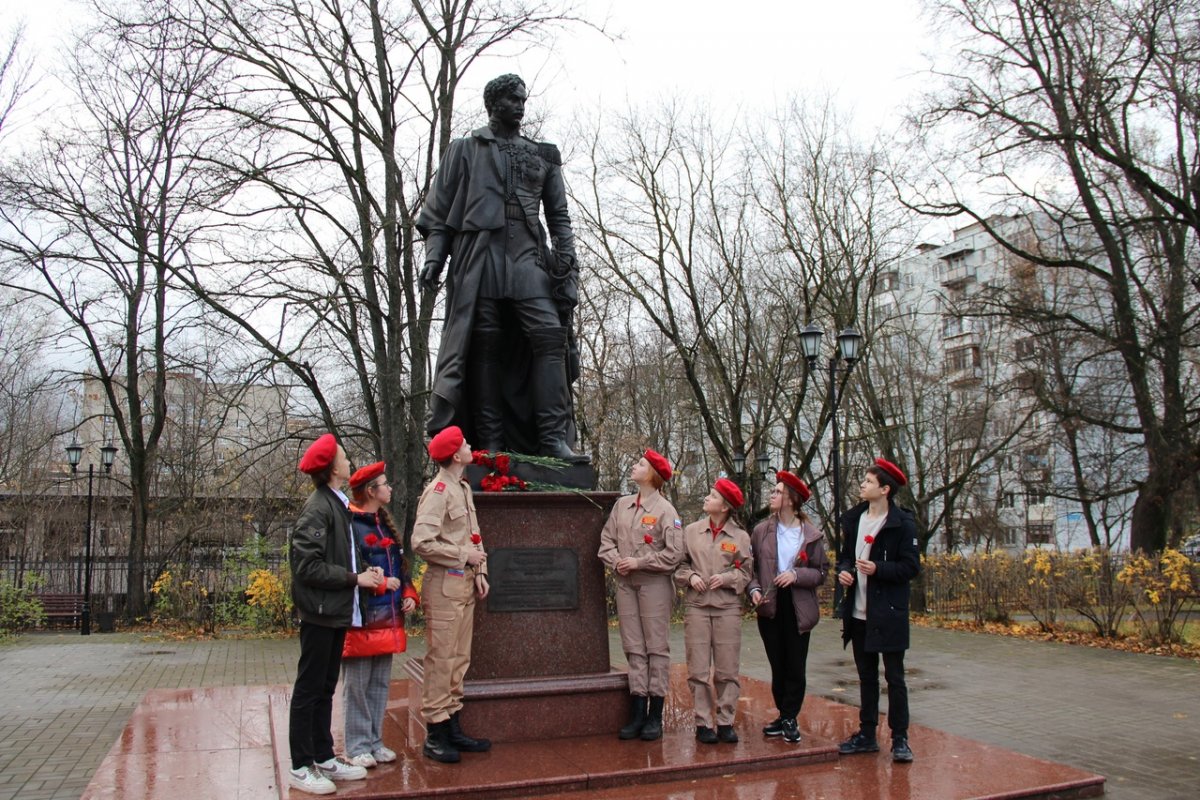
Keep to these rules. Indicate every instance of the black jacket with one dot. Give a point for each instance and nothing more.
(897, 561)
(319, 555)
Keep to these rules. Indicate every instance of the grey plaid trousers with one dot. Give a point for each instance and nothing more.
(364, 695)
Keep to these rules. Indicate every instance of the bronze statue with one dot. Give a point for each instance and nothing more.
(507, 356)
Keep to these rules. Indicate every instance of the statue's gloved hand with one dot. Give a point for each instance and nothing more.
(431, 276)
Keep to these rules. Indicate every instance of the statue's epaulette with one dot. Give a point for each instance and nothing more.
(550, 153)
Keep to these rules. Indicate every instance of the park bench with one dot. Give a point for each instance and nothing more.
(61, 608)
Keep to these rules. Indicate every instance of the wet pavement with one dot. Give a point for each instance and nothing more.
(65, 700)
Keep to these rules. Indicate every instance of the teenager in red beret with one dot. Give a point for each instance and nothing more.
(790, 562)
(714, 572)
(642, 542)
(878, 558)
(446, 534)
(327, 569)
(377, 630)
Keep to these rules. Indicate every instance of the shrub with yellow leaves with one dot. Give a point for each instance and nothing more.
(271, 599)
(1160, 587)
(178, 598)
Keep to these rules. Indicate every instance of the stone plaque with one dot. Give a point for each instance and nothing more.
(533, 579)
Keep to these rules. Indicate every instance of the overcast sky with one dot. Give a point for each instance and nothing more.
(868, 53)
(749, 56)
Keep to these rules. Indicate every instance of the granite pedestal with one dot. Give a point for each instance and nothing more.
(539, 661)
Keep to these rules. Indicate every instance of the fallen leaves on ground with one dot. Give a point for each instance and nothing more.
(1033, 632)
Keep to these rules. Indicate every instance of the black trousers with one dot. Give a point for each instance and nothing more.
(787, 652)
(310, 720)
(868, 684)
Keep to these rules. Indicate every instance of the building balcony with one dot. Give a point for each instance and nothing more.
(958, 276)
(964, 376)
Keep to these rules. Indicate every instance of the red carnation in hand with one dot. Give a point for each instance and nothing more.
(648, 538)
(371, 539)
(476, 538)
(869, 539)
(386, 542)
(803, 556)
(737, 563)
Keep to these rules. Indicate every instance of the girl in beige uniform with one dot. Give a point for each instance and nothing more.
(642, 543)
(715, 571)
(446, 534)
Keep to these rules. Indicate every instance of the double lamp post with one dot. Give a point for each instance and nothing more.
(107, 454)
(848, 342)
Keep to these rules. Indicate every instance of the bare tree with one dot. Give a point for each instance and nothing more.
(14, 74)
(96, 216)
(728, 240)
(1102, 98)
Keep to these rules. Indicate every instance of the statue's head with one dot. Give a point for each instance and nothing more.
(500, 87)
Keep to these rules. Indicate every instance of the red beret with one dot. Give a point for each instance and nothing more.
(366, 474)
(319, 455)
(788, 479)
(891, 469)
(659, 464)
(730, 491)
(446, 443)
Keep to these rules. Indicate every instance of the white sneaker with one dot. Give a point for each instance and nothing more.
(338, 769)
(310, 779)
(384, 755)
(363, 760)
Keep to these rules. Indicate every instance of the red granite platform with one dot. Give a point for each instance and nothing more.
(232, 743)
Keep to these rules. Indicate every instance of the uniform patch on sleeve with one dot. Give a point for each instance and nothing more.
(678, 523)
(441, 487)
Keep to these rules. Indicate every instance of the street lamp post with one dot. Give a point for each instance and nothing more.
(848, 342)
(107, 454)
(847, 350)
(751, 482)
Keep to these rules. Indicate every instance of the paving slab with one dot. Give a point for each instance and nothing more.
(65, 699)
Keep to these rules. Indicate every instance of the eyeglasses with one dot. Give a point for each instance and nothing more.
(380, 485)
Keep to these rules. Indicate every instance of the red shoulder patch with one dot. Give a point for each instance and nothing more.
(441, 487)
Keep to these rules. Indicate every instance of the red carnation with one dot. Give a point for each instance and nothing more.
(502, 464)
(476, 538)
(648, 538)
(387, 541)
(803, 555)
(869, 539)
(371, 539)
(481, 458)
(737, 563)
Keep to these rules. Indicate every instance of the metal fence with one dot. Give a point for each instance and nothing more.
(110, 575)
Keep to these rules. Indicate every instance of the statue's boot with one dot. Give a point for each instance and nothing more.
(484, 383)
(549, 346)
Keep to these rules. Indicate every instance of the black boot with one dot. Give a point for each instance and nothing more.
(637, 718)
(437, 743)
(464, 743)
(483, 382)
(653, 728)
(551, 407)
